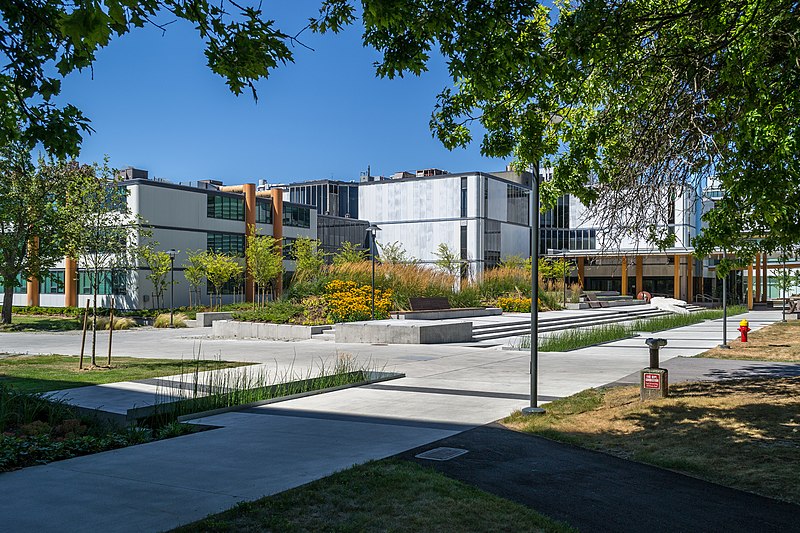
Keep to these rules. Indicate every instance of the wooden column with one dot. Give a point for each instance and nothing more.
(277, 229)
(33, 283)
(750, 286)
(624, 290)
(249, 190)
(689, 278)
(581, 270)
(765, 290)
(676, 291)
(639, 274)
(758, 278)
(70, 282)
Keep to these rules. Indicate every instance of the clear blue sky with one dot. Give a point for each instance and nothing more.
(154, 104)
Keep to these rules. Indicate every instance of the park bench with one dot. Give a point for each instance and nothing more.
(435, 303)
(594, 303)
(794, 305)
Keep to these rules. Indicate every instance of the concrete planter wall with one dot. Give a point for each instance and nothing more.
(404, 332)
(231, 329)
(205, 320)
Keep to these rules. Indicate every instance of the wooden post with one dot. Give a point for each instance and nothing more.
(676, 291)
(83, 336)
(689, 278)
(758, 278)
(750, 286)
(110, 329)
(624, 290)
(639, 274)
(250, 231)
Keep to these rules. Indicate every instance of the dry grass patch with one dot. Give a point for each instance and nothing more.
(380, 496)
(777, 342)
(741, 433)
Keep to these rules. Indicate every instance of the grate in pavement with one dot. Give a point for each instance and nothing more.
(441, 454)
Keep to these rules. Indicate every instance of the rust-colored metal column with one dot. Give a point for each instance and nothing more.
(277, 229)
(33, 283)
(764, 281)
(676, 291)
(249, 231)
(624, 290)
(581, 271)
(750, 286)
(689, 278)
(70, 282)
(758, 278)
(639, 274)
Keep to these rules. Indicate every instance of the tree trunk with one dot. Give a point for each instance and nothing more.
(8, 302)
(96, 286)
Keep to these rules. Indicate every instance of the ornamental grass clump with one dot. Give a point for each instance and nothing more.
(349, 302)
(120, 322)
(403, 280)
(178, 320)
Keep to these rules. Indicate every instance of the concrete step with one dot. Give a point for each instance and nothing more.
(523, 328)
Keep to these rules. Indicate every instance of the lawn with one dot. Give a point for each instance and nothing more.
(42, 323)
(740, 433)
(777, 342)
(41, 373)
(388, 495)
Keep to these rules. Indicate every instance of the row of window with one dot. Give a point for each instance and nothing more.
(225, 207)
(108, 282)
(225, 243)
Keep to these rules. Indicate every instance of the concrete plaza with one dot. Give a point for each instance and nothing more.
(265, 450)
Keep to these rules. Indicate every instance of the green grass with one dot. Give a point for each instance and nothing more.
(573, 339)
(41, 373)
(42, 323)
(388, 495)
(662, 323)
(280, 312)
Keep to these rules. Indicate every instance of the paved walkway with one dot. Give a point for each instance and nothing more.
(272, 448)
(593, 491)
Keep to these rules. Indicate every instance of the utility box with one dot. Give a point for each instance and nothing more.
(654, 381)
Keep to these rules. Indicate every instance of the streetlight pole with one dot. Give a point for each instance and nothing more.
(172, 253)
(564, 266)
(724, 344)
(784, 283)
(373, 231)
(534, 408)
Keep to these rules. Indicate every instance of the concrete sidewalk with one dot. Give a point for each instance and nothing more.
(272, 448)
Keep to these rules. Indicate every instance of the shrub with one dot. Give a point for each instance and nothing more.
(119, 322)
(503, 280)
(468, 296)
(514, 304)
(279, 312)
(178, 320)
(349, 302)
(315, 310)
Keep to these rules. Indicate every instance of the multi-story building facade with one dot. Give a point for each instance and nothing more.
(205, 215)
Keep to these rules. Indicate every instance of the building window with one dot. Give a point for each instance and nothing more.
(263, 211)
(491, 243)
(297, 216)
(225, 207)
(518, 204)
(108, 282)
(463, 197)
(53, 283)
(225, 243)
(22, 285)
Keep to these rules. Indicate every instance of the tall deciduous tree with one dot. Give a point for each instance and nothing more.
(194, 272)
(33, 217)
(309, 259)
(104, 235)
(220, 269)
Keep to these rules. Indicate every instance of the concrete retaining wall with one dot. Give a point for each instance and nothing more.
(204, 320)
(404, 332)
(231, 329)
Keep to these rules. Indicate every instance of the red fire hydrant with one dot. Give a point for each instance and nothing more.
(743, 329)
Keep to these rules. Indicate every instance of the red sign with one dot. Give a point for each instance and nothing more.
(652, 381)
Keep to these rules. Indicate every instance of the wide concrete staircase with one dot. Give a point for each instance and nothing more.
(485, 332)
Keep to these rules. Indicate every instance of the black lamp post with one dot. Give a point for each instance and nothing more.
(172, 253)
(373, 231)
(724, 308)
(534, 408)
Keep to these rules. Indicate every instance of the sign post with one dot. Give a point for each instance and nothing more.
(653, 379)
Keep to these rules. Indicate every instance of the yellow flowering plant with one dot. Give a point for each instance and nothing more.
(350, 302)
